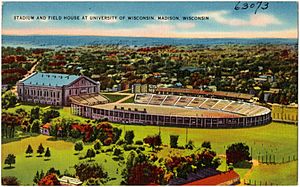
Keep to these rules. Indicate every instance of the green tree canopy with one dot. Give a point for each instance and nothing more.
(10, 159)
(129, 136)
(40, 149)
(29, 149)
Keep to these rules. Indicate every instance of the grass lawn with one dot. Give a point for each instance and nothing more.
(130, 100)
(275, 139)
(62, 158)
(277, 174)
(114, 97)
(65, 112)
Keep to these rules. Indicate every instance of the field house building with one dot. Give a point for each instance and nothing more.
(54, 89)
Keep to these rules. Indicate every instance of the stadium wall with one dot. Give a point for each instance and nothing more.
(144, 118)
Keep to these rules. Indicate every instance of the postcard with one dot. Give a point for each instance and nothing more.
(149, 93)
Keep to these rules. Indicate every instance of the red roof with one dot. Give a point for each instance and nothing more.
(47, 126)
(215, 180)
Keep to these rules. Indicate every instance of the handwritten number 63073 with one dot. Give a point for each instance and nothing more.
(246, 5)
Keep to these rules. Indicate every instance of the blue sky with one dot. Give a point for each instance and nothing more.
(279, 20)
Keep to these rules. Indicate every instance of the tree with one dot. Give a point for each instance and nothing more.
(10, 159)
(90, 154)
(97, 146)
(36, 178)
(174, 141)
(47, 154)
(49, 180)
(9, 99)
(78, 146)
(29, 150)
(40, 149)
(53, 170)
(237, 152)
(150, 174)
(129, 136)
(34, 114)
(117, 151)
(10, 181)
(86, 171)
(206, 144)
(75, 133)
(190, 145)
(21, 112)
(36, 126)
(153, 141)
(117, 133)
(48, 115)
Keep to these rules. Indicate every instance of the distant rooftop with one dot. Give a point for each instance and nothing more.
(50, 79)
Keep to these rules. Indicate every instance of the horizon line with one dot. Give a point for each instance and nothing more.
(150, 36)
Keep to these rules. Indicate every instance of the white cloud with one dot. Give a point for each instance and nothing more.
(260, 20)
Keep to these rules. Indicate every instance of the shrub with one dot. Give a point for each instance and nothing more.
(129, 136)
(237, 152)
(129, 147)
(153, 141)
(35, 128)
(139, 142)
(120, 142)
(107, 141)
(75, 133)
(50, 114)
(78, 146)
(190, 145)
(86, 171)
(117, 133)
(117, 152)
(174, 141)
(10, 181)
(97, 146)
(206, 144)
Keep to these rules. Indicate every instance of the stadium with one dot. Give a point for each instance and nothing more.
(173, 110)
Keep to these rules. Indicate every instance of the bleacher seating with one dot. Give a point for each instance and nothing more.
(89, 99)
(183, 101)
(236, 107)
(209, 103)
(170, 100)
(157, 99)
(143, 98)
(220, 105)
(232, 106)
(197, 102)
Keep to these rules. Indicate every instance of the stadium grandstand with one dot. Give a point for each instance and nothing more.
(174, 110)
